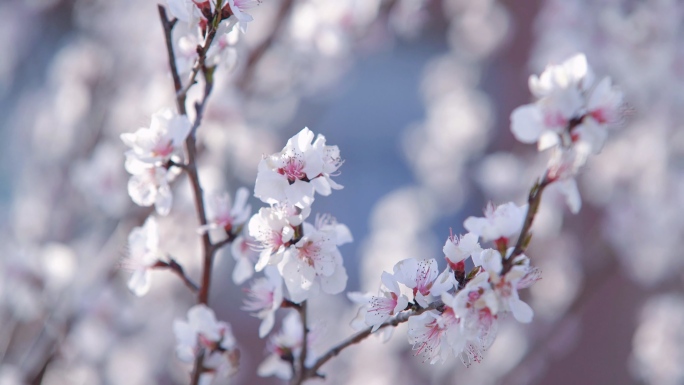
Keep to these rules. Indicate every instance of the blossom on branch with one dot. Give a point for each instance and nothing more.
(500, 222)
(265, 296)
(222, 213)
(164, 138)
(388, 303)
(315, 260)
(143, 254)
(571, 109)
(272, 233)
(299, 170)
(285, 348)
(456, 249)
(203, 334)
(149, 185)
(238, 7)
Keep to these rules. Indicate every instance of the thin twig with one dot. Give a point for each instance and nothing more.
(533, 201)
(179, 271)
(191, 147)
(400, 318)
(300, 367)
(168, 28)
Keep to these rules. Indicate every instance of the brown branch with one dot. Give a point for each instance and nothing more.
(168, 28)
(300, 367)
(533, 201)
(190, 168)
(176, 268)
(312, 371)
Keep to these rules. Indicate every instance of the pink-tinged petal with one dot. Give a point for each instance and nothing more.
(335, 283)
(379, 310)
(342, 234)
(266, 325)
(402, 302)
(164, 200)
(242, 271)
(300, 193)
(548, 139)
(140, 282)
(322, 186)
(390, 282)
(521, 311)
(568, 188)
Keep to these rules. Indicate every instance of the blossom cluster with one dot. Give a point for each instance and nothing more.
(203, 334)
(299, 259)
(152, 151)
(572, 115)
(194, 18)
(455, 312)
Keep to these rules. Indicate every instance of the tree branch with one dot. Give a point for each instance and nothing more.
(312, 371)
(300, 366)
(191, 147)
(533, 201)
(178, 270)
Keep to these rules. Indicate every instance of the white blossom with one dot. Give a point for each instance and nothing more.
(202, 331)
(238, 7)
(222, 213)
(291, 175)
(163, 139)
(265, 296)
(286, 343)
(143, 254)
(457, 249)
(499, 222)
(149, 185)
(389, 302)
(272, 234)
(244, 257)
(315, 260)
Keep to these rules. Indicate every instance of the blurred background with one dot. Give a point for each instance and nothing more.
(417, 94)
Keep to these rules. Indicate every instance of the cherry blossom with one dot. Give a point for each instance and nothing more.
(476, 306)
(501, 221)
(143, 254)
(506, 286)
(203, 333)
(315, 260)
(244, 257)
(163, 139)
(222, 215)
(238, 7)
(149, 185)
(272, 234)
(422, 277)
(290, 174)
(570, 109)
(185, 10)
(284, 348)
(388, 303)
(430, 333)
(457, 249)
(265, 296)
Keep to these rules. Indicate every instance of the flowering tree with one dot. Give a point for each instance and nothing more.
(454, 312)
(191, 170)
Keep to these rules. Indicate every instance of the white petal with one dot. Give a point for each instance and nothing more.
(242, 271)
(266, 325)
(140, 282)
(335, 283)
(521, 311)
